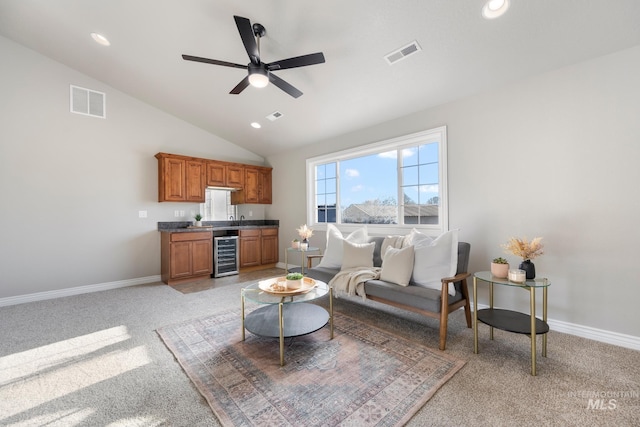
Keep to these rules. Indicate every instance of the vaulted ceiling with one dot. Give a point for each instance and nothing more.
(461, 54)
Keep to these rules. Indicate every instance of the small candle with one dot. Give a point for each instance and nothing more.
(517, 276)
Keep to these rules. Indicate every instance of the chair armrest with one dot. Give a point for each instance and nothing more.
(310, 259)
(458, 277)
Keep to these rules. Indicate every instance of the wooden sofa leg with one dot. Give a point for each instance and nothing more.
(443, 330)
(444, 315)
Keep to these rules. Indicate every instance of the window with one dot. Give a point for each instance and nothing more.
(217, 205)
(390, 183)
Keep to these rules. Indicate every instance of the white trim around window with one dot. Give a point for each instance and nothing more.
(406, 142)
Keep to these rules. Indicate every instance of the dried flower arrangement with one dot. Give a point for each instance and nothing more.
(523, 248)
(305, 232)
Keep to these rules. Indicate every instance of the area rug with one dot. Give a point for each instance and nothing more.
(363, 377)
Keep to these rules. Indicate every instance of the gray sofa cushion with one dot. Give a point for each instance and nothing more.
(413, 296)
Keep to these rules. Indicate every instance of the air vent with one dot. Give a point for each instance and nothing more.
(87, 102)
(274, 116)
(403, 52)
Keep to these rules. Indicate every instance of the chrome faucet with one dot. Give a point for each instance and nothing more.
(241, 218)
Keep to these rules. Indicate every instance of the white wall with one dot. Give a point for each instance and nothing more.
(71, 186)
(554, 156)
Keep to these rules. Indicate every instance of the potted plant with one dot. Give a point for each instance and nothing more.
(294, 281)
(500, 268)
(295, 244)
(198, 219)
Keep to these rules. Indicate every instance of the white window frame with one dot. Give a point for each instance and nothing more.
(399, 143)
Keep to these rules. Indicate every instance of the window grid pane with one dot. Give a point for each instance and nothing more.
(401, 182)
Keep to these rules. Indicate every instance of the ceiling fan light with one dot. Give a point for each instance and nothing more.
(259, 78)
(495, 8)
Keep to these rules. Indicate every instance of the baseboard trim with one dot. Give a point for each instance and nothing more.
(41, 296)
(601, 335)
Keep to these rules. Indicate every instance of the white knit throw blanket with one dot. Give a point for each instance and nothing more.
(351, 281)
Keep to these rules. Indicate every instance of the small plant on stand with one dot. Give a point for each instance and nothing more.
(294, 280)
(198, 219)
(499, 268)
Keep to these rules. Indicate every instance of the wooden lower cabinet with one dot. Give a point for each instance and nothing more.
(186, 256)
(249, 248)
(269, 245)
(258, 247)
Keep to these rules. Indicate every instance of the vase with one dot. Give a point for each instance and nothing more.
(529, 269)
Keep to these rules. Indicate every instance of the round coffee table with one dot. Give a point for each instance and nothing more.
(286, 316)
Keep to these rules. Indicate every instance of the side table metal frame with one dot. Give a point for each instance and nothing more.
(281, 318)
(532, 307)
(302, 256)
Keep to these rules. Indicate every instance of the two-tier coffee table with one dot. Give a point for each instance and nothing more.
(287, 314)
(512, 321)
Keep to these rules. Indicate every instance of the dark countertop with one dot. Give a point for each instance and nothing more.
(187, 226)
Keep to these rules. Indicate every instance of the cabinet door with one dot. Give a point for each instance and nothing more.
(202, 257)
(195, 181)
(172, 180)
(249, 248)
(251, 186)
(269, 245)
(235, 176)
(180, 259)
(265, 186)
(216, 174)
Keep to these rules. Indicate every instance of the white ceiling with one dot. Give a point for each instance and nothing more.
(462, 54)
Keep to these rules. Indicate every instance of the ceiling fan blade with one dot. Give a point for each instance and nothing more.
(240, 86)
(298, 61)
(284, 85)
(248, 39)
(212, 61)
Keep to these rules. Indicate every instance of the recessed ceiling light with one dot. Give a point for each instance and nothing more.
(100, 39)
(256, 125)
(495, 8)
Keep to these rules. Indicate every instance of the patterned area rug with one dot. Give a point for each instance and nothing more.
(363, 377)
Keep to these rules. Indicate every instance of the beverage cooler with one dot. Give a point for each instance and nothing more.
(225, 256)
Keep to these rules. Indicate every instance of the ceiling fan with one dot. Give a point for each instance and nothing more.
(260, 73)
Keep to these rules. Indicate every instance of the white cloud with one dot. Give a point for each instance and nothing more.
(357, 188)
(429, 188)
(351, 173)
(408, 152)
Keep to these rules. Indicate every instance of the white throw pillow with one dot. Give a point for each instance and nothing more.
(435, 262)
(397, 265)
(417, 239)
(332, 257)
(391, 241)
(357, 255)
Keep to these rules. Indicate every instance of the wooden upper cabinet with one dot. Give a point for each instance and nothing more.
(184, 179)
(265, 186)
(251, 185)
(216, 174)
(235, 176)
(172, 180)
(195, 181)
(256, 188)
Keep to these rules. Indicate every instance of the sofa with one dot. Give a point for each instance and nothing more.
(450, 294)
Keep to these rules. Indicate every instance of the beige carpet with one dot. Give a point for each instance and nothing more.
(363, 377)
